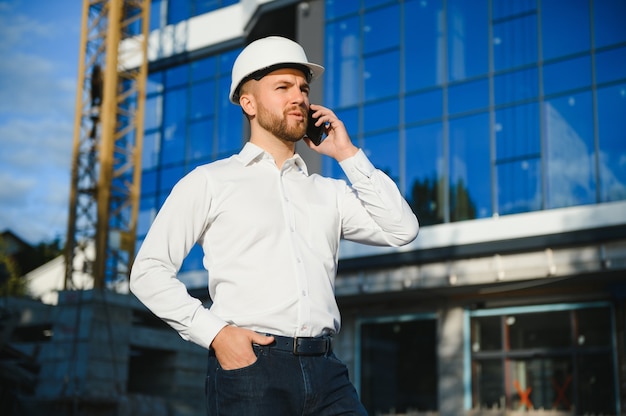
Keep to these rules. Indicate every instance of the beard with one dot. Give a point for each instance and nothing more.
(279, 125)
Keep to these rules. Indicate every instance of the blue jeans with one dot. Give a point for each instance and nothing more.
(280, 383)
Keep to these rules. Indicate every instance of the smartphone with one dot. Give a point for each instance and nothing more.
(313, 132)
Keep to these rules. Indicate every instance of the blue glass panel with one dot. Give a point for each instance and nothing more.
(470, 168)
(227, 59)
(177, 11)
(468, 33)
(156, 15)
(150, 151)
(519, 186)
(504, 8)
(204, 6)
(381, 29)
(608, 17)
(148, 182)
(350, 118)
(168, 178)
(383, 151)
(515, 42)
(611, 126)
(204, 68)
(419, 107)
(424, 44)
(147, 212)
(381, 75)
(174, 126)
(565, 28)
(567, 75)
(200, 140)
(517, 132)
(202, 100)
(381, 115)
(611, 65)
(425, 173)
(229, 122)
(153, 112)
(339, 8)
(178, 75)
(342, 79)
(569, 151)
(154, 83)
(368, 4)
(193, 261)
(516, 86)
(468, 96)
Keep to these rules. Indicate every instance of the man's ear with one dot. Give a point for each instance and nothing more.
(247, 103)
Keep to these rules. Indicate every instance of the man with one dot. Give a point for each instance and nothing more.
(270, 234)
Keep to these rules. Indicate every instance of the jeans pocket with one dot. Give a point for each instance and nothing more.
(240, 388)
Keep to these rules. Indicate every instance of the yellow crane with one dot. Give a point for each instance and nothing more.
(108, 138)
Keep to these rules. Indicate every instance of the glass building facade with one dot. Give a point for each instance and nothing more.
(478, 109)
(482, 108)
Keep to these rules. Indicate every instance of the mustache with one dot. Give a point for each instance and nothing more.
(297, 109)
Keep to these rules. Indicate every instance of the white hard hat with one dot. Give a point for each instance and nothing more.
(268, 54)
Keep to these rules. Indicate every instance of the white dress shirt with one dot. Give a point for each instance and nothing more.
(270, 238)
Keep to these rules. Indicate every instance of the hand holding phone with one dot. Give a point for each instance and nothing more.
(313, 132)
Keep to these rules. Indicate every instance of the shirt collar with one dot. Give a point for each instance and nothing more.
(251, 153)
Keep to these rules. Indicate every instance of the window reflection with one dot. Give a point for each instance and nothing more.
(424, 42)
(515, 42)
(343, 78)
(567, 75)
(570, 167)
(467, 22)
(507, 8)
(516, 86)
(565, 30)
(519, 186)
(425, 172)
(425, 106)
(174, 126)
(470, 168)
(200, 141)
(381, 75)
(381, 115)
(553, 360)
(517, 132)
(608, 16)
(528, 69)
(468, 96)
(382, 150)
(381, 29)
(612, 153)
(610, 65)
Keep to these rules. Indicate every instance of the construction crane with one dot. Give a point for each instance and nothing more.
(108, 138)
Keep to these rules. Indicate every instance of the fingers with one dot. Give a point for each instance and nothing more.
(261, 339)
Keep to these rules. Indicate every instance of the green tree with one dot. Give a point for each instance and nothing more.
(11, 282)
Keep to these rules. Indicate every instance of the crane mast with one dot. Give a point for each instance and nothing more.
(108, 138)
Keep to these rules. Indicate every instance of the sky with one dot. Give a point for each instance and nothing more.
(39, 47)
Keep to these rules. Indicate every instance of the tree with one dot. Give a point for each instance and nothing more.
(11, 282)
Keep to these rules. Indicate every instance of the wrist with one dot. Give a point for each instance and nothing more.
(346, 153)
